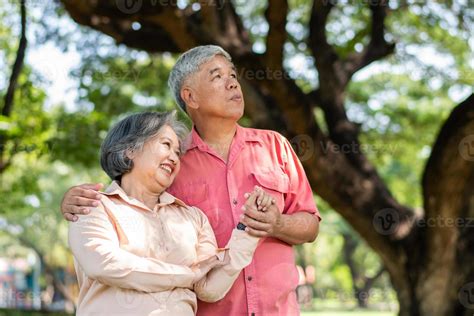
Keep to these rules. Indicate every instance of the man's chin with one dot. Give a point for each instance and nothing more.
(238, 113)
(238, 116)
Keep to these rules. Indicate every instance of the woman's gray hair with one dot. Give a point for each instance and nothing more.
(188, 64)
(130, 134)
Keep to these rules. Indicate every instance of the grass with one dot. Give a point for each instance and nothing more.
(10, 312)
(349, 313)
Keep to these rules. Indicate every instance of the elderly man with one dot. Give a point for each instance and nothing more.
(223, 162)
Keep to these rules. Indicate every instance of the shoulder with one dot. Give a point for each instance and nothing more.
(102, 211)
(97, 216)
(271, 140)
(261, 132)
(266, 136)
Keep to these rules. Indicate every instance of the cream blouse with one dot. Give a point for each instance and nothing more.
(133, 260)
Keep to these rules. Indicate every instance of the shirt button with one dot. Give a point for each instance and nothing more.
(234, 201)
(154, 215)
(249, 278)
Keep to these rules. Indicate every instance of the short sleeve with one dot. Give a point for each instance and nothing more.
(300, 196)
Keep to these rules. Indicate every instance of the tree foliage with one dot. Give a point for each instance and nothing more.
(379, 78)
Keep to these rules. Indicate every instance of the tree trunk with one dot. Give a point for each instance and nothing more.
(57, 283)
(361, 283)
(9, 96)
(430, 266)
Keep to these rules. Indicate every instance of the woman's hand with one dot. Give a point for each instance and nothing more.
(264, 200)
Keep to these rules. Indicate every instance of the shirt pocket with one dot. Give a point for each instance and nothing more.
(275, 182)
(198, 194)
(195, 194)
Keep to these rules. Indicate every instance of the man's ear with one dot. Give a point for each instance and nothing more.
(189, 97)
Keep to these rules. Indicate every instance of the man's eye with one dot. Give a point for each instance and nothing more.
(233, 75)
(217, 76)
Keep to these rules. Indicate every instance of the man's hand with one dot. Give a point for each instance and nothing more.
(261, 215)
(77, 200)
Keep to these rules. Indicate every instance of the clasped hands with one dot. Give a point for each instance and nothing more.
(261, 214)
(262, 218)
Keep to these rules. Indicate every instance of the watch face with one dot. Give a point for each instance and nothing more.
(241, 226)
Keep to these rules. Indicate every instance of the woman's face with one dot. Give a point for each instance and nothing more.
(157, 164)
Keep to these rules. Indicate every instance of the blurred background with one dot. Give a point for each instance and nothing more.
(375, 96)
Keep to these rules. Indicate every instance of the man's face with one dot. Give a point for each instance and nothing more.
(216, 90)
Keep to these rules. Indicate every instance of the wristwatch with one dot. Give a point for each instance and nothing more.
(241, 226)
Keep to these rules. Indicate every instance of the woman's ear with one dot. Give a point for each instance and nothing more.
(130, 154)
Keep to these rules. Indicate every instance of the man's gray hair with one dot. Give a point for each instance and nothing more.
(187, 64)
(130, 134)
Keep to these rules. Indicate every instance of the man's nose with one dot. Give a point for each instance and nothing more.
(232, 83)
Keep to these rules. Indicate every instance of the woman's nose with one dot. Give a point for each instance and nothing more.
(174, 158)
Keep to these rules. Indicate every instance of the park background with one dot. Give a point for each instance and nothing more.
(374, 95)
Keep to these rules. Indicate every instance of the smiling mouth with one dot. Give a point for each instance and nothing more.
(236, 98)
(167, 168)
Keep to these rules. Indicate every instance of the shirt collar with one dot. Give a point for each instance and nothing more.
(164, 199)
(242, 134)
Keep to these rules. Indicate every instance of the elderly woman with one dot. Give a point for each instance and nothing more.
(142, 251)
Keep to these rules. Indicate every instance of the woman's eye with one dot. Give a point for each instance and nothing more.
(167, 144)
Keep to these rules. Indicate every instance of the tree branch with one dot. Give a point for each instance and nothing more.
(323, 52)
(369, 281)
(112, 19)
(377, 48)
(18, 65)
(172, 29)
(275, 14)
(9, 96)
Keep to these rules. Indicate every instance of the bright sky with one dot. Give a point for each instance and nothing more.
(55, 66)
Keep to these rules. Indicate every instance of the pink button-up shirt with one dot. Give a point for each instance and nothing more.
(257, 157)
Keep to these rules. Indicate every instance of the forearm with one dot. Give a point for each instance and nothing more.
(141, 274)
(215, 285)
(101, 258)
(220, 279)
(298, 228)
(121, 269)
